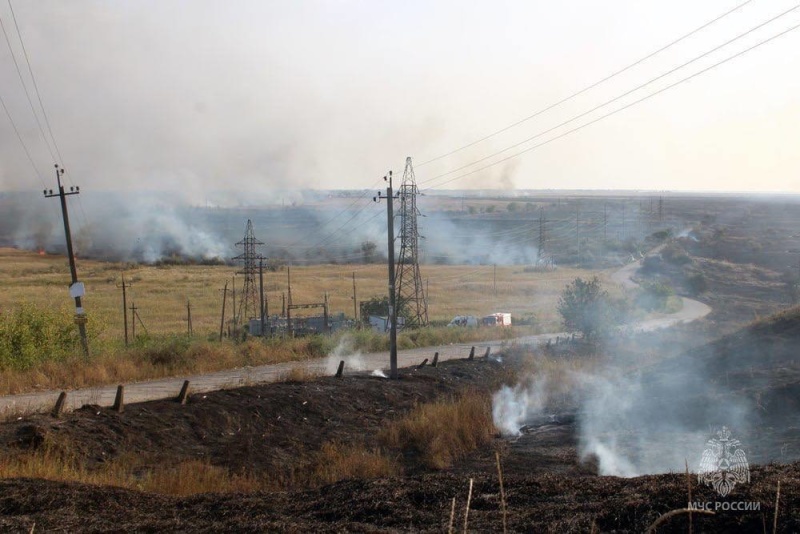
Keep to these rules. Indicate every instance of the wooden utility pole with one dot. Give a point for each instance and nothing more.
(355, 302)
(289, 301)
(76, 289)
(233, 296)
(222, 321)
(125, 306)
(325, 314)
(189, 317)
(133, 320)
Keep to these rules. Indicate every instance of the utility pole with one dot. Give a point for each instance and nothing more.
(233, 296)
(355, 302)
(289, 301)
(389, 197)
(133, 320)
(125, 306)
(76, 289)
(660, 208)
(222, 321)
(578, 226)
(261, 292)
(189, 317)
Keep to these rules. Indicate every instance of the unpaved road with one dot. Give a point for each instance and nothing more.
(169, 387)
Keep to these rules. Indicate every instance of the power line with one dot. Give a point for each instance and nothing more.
(25, 89)
(35, 85)
(22, 142)
(41, 104)
(631, 104)
(588, 87)
(618, 97)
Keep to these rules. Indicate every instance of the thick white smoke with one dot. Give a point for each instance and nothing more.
(630, 423)
(344, 350)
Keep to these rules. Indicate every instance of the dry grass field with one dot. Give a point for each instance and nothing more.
(31, 281)
(161, 292)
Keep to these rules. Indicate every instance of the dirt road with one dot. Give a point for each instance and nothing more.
(169, 387)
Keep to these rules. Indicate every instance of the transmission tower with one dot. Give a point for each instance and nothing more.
(410, 293)
(249, 304)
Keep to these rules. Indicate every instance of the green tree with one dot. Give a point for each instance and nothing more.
(586, 308)
(379, 306)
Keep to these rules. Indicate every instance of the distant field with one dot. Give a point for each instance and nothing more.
(161, 293)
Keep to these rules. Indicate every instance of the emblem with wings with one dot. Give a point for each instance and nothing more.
(724, 463)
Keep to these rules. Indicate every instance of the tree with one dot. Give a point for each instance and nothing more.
(379, 306)
(368, 249)
(586, 308)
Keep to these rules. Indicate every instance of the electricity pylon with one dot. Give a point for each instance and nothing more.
(410, 293)
(249, 303)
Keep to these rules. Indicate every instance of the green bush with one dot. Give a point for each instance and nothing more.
(30, 335)
(654, 296)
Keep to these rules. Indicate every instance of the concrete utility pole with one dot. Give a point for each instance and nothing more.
(76, 289)
(389, 197)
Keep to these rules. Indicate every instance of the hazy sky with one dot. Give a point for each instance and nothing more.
(264, 95)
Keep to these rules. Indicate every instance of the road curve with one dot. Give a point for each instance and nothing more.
(25, 403)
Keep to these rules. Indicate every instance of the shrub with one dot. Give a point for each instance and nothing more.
(30, 335)
(586, 308)
(654, 295)
(675, 255)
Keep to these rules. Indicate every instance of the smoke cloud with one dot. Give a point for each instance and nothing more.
(653, 419)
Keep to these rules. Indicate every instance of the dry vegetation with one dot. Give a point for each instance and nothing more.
(437, 433)
(39, 282)
(161, 293)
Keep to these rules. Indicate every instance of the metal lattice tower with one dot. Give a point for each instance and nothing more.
(410, 293)
(249, 304)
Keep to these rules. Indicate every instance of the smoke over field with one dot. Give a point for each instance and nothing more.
(311, 227)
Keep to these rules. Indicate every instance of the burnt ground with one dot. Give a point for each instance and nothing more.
(276, 430)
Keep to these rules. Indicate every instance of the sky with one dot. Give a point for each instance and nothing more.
(264, 96)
